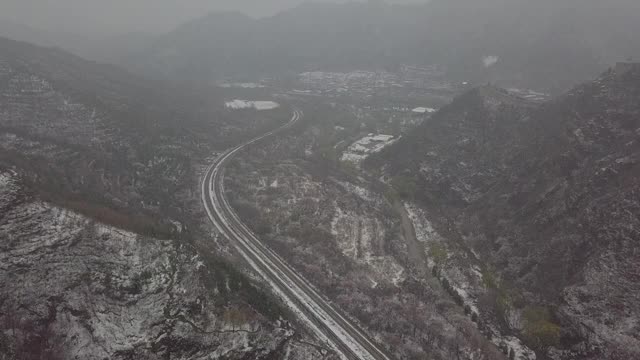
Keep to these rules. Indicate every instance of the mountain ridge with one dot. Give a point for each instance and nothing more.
(546, 198)
(532, 45)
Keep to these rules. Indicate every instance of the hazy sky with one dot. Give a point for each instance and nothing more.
(131, 15)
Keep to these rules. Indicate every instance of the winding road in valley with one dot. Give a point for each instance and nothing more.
(327, 322)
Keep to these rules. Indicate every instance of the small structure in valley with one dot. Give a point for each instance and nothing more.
(366, 146)
(423, 110)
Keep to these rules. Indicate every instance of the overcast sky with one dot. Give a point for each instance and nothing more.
(131, 15)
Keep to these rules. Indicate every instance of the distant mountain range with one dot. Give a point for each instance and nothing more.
(547, 45)
(98, 47)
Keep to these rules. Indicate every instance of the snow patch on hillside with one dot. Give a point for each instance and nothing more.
(358, 237)
(425, 233)
(520, 350)
(489, 61)
(5, 181)
(359, 191)
(464, 280)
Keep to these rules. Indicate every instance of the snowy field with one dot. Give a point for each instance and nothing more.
(257, 105)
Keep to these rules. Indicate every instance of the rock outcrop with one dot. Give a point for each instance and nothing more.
(72, 288)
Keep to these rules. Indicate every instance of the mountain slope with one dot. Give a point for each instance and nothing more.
(313, 34)
(546, 198)
(543, 44)
(96, 132)
(97, 47)
(548, 45)
(74, 288)
(102, 249)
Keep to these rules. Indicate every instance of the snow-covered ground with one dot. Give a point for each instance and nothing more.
(520, 350)
(361, 192)
(302, 293)
(115, 290)
(530, 94)
(463, 279)
(425, 233)
(5, 179)
(366, 146)
(257, 105)
(423, 110)
(356, 236)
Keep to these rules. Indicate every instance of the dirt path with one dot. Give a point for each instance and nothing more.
(414, 248)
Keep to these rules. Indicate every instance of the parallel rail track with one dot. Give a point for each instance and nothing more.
(346, 338)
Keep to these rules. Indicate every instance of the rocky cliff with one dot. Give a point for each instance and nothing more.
(73, 288)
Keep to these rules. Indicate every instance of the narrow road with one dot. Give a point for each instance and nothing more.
(327, 322)
(415, 249)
